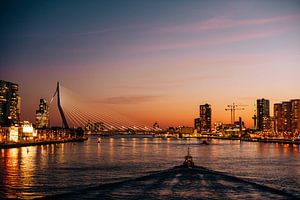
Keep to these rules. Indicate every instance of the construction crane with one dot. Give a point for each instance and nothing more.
(232, 108)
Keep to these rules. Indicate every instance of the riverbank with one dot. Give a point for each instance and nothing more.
(280, 141)
(266, 140)
(35, 143)
(263, 140)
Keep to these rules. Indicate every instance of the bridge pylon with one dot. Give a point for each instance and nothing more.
(61, 111)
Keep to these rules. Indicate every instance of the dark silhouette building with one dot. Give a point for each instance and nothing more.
(278, 120)
(197, 124)
(205, 117)
(263, 114)
(295, 115)
(10, 104)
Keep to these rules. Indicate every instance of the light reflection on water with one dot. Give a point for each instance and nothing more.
(30, 172)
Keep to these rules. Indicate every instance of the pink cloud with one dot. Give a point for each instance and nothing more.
(128, 99)
(214, 40)
(222, 23)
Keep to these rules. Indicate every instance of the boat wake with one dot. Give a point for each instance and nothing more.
(180, 182)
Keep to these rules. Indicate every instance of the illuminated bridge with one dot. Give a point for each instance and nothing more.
(75, 111)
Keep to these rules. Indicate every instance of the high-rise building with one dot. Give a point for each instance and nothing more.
(295, 115)
(10, 104)
(287, 116)
(278, 120)
(42, 115)
(254, 122)
(272, 124)
(205, 117)
(197, 124)
(263, 114)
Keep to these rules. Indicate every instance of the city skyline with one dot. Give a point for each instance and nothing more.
(151, 63)
(284, 118)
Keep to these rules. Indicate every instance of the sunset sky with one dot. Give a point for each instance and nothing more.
(153, 60)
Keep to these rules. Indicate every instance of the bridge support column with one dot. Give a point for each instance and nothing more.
(62, 114)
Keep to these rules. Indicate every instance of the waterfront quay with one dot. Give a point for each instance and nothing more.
(44, 142)
(264, 140)
(10, 137)
(207, 136)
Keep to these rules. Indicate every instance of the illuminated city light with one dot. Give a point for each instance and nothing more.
(13, 134)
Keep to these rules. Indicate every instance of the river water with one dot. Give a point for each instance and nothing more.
(70, 168)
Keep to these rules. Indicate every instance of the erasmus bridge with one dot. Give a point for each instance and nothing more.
(75, 111)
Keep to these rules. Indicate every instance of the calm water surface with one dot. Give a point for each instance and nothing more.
(38, 171)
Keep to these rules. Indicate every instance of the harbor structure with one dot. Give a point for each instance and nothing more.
(232, 108)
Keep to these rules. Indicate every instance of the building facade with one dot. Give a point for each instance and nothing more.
(295, 115)
(10, 104)
(197, 124)
(272, 124)
(263, 114)
(42, 115)
(278, 117)
(205, 118)
(218, 127)
(286, 116)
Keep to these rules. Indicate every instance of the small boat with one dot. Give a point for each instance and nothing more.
(99, 140)
(205, 142)
(188, 162)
